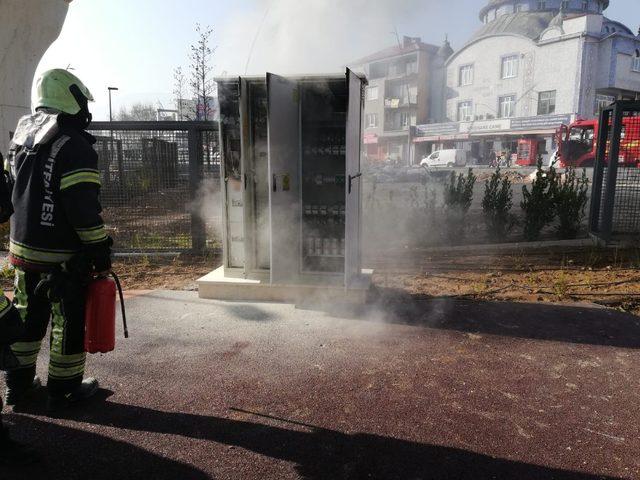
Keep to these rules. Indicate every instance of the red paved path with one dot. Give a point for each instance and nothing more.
(438, 390)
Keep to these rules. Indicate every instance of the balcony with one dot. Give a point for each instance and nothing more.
(395, 103)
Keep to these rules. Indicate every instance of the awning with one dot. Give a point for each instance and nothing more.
(442, 138)
(512, 133)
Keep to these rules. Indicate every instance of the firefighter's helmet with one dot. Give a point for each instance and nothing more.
(54, 89)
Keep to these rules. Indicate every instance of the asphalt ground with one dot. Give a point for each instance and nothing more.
(405, 388)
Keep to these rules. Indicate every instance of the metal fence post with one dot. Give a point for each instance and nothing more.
(612, 174)
(598, 171)
(198, 230)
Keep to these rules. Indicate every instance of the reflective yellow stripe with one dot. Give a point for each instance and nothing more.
(38, 256)
(79, 176)
(21, 299)
(61, 359)
(66, 366)
(92, 235)
(64, 373)
(26, 352)
(5, 305)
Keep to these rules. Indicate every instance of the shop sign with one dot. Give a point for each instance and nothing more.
(433, 129)
(485, 126)
(550, 122)
(370, 138)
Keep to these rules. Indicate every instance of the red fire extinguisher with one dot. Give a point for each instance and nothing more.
(100, 315)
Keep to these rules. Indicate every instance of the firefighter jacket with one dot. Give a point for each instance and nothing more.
(56, 186)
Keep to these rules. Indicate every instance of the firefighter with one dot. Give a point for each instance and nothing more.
(56, 221)
(11, 328)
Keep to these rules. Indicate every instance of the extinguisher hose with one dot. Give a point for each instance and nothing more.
(124, 313)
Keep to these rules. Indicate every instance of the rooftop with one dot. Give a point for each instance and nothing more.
(409, 45)
(528, 24)
(497, 3)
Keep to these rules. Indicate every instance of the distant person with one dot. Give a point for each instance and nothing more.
(56, 229)
(493, 159)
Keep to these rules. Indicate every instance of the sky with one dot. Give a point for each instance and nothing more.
(136, 45)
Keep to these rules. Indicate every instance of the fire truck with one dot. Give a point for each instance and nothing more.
(528, 149)
(577, 143)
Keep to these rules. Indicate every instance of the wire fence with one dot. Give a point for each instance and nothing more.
(160, 185)
(615, 207)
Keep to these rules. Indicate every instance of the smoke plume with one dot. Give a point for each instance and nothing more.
(311, 36)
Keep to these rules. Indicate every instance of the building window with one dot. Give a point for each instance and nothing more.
(372, 120)
(507, 106)
(603, 101)
(547, 102)
(412, 67)
(465, 111)
(542, 5)
(565, 5)
(372, 93)
(466, 75)
(517, 8)
(510, 66)
(585, 6)
(635, 63)
(379, 70)
(405, 119)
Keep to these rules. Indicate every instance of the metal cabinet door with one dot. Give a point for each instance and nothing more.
(231, 176)
(354, 178)
(284, 189)
(243, 102)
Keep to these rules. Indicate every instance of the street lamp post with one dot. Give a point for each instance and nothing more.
(110, 156)
(111, 89)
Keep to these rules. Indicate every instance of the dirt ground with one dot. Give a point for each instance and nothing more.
(608, 277)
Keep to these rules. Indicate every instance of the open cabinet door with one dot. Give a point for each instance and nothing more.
(245, 146)
(354, 178)
(231, 174)
(284, 189)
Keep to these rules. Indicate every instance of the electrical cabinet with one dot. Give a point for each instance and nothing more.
(290, 159)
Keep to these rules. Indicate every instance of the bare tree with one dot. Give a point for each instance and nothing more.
(178, 92)
(139, 112)
(201, 81)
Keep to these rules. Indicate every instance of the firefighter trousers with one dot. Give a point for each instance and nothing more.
(67, 356)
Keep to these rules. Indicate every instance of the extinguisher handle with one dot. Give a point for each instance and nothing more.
(124, 313)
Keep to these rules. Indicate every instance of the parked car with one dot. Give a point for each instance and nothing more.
(446, 158)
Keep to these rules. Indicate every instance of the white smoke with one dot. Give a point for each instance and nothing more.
(311, 36)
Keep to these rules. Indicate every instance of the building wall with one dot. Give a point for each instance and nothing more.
(557, 68)
(28, 29)
(486, 57)
(574, 62)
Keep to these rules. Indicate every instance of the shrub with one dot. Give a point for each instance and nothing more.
(422, 215)
(497, 204)
(538, 203)
(458, 195)
(570, 200)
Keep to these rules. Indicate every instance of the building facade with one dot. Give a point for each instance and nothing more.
(27, 32)
(532, 66)
(406, 88)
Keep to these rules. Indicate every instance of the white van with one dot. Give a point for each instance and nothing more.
(445, 158)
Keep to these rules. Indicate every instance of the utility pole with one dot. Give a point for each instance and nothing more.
(110, 156)
(111, 89)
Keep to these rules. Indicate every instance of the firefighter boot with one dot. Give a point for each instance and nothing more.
(21, 383)
(87, 389)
